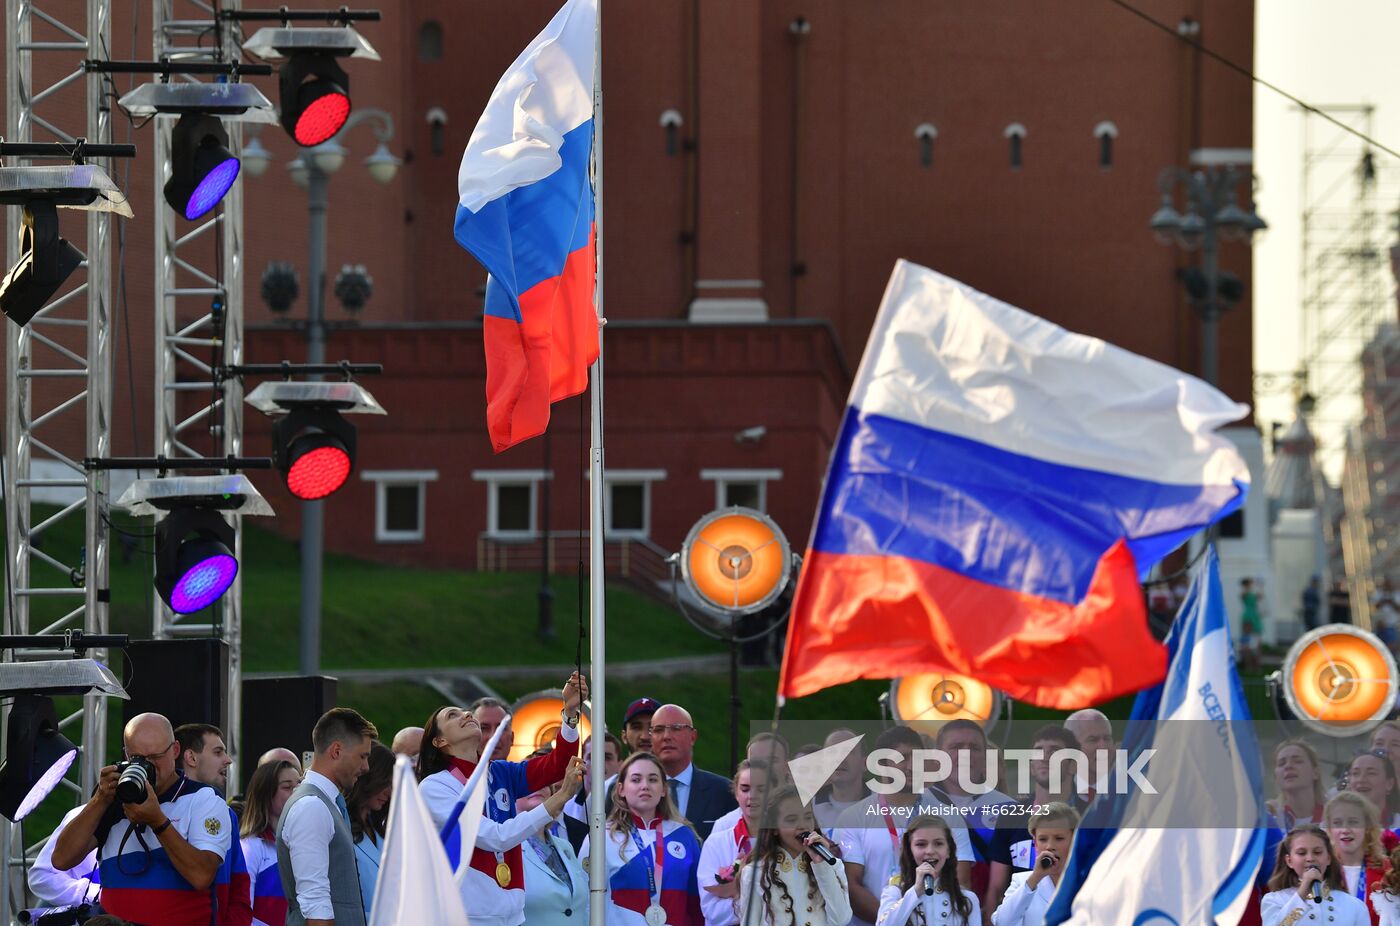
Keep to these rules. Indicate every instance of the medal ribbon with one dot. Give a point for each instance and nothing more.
(741, 837)
(654, 875)
(889, 825)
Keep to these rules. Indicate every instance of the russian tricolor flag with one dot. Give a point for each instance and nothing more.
(525, 211)
(997, 487)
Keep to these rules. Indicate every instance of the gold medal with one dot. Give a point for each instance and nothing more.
(502, 874)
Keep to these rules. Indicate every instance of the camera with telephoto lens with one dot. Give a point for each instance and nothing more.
(132, 776)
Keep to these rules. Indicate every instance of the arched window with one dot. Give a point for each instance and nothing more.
(1015, 134)
(430, 41)
(1106, 133)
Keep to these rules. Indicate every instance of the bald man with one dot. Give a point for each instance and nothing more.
(280, 754)
(701, 797)
(186, 819)
(408, 742)
(1095, 733)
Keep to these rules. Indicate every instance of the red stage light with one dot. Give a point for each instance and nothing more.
(320, 466)
(323, 116)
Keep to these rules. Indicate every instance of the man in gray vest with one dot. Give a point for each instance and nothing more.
(315, 854)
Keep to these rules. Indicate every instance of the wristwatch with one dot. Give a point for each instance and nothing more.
(162, 828)
(571, 719)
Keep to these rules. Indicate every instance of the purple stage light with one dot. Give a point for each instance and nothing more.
(212, 188)
(203, 583)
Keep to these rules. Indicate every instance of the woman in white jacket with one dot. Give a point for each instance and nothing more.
(493, 890)
(926, 890)
(1029, 896)
(786, 882)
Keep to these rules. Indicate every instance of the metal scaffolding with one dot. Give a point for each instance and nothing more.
(1346, 285)
(199, 324)
(1349, 340)
(57, 368)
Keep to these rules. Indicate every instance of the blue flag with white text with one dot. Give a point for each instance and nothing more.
(1202, 835)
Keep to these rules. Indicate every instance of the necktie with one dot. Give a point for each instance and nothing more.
(674, 786)
(344, 810)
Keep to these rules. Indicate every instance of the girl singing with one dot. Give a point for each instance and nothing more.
(926, 890)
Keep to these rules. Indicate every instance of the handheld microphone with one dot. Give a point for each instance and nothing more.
(1317, 886)
(928, 885)
(1046, 861)
(818, 848)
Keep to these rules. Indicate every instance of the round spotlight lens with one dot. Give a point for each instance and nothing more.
(212, 188)
(320, 465)
(45, 785)
(323, 116)
(207, 570)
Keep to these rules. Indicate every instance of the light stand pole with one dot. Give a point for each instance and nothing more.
(1211, 215)
(313, 512)
(312, 169)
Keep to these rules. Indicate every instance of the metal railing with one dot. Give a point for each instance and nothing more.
(638, 561)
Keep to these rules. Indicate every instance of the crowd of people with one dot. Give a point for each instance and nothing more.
(159, 845)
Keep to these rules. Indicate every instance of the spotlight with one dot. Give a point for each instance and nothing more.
(536, 720)
(37, 756)
(315, 89)
(46, 260)
(313, 446)
(202, 169)
(314, 449)
(736, 561)
(195, 562)
(313, 110)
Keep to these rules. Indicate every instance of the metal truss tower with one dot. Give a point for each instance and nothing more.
(1348, 323)
(199, 323)
(1346, 282)
(58, 371)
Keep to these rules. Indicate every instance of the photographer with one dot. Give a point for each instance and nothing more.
(160, 837)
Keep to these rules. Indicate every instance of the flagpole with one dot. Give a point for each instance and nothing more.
(597, 813)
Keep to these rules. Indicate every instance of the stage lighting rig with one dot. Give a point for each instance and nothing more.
(315, 90)
(46, 258)
(37, 755)
(195, 561)
(202, 168)
(313, 446)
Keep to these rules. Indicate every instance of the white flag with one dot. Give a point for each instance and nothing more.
(415, 883)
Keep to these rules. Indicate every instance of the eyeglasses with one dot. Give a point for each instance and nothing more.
(676, 728)
(152, 758)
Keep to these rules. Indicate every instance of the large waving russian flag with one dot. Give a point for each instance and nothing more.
(525, 210)
(997, 486)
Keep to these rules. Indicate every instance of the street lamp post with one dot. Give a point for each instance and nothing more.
(1211, 215)
(313, 170)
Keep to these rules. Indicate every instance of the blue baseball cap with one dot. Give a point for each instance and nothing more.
(638, 707)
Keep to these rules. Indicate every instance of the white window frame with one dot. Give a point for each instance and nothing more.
(399, 477)
(644, 476)
(722, 478)
(494, 479)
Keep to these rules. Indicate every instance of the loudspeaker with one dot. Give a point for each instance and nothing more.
(282, 711)
(186, 680)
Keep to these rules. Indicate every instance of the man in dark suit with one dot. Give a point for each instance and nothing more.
(701, 797)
